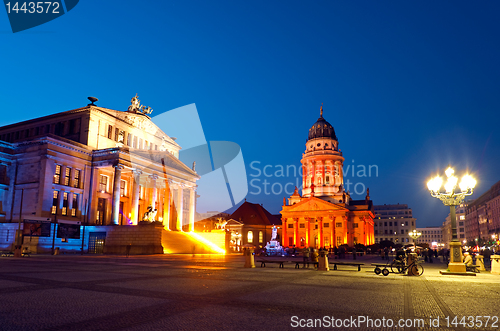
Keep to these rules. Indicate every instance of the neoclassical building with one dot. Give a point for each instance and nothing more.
(325, 215)
(95, 166)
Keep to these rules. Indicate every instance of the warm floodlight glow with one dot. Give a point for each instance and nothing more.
(204, 241)
(449, 172)
(451, 183)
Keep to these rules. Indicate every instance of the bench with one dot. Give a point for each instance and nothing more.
(298, 263)
(347, 263)
(263, 263)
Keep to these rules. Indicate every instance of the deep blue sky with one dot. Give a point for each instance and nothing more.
(408, 86)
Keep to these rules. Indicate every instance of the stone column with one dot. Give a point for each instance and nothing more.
(116, 194)
(166, 205)
(284, 235)
(192, 208)
(333, 239)
(70, 203)
(296, 237)
(320, 233)
(135, 196)
(154, 195)
(180, 207)
(308, 232)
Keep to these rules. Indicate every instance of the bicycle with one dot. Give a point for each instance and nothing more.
(400, 266)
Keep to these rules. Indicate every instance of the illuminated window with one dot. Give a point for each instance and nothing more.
(462, 217)
(103, 183)
(57, 175)
(76, 182)
(261, 237)
(75, 205)
(67, 176)
(250, 236)
(64, 210)
(121, 137)
(339, 240)
(55, 198)
(141, 192)
(123, 185)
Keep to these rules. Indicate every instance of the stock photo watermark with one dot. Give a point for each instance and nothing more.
(280, 179)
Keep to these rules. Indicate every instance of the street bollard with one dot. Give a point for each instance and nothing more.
(495, 264)
(480, 262)
(323, 264)
(412, 257)
(249, 258)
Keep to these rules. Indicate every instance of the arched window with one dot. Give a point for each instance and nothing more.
(250, 237)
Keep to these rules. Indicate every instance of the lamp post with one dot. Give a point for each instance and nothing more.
(452, 199)
(415, 235)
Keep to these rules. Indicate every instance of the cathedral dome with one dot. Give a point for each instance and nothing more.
(321, 129)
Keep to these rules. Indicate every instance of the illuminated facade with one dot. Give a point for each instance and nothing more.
(95, 166)
(324, 215)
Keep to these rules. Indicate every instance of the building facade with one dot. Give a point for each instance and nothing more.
(393, 223)
(432, 236)
(324, 215)
(95, 166)
(482, 216)
(252, 225)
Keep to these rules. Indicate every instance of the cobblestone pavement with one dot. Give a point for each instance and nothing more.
(183, 292)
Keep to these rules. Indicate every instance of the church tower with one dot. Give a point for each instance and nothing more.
(322, 163)
(324, 215)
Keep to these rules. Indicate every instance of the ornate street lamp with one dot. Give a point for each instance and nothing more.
(415, 235)
(452, 199)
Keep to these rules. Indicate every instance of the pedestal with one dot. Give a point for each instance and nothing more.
(495, 264)
(456, 260)
(480, 262)
(323, 264)
(249, 258)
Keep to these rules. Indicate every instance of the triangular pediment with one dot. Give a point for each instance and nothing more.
(140, 121)
(315, 204)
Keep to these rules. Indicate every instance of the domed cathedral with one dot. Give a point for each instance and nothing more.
(325, 215)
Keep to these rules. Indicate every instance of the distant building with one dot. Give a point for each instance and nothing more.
(482, 216)
(250, 224)
(432, 236)
(324, 215)
(393, 223)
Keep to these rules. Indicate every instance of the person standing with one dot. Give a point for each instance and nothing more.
(305, 256)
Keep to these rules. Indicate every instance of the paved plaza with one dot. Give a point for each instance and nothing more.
(184, 292)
